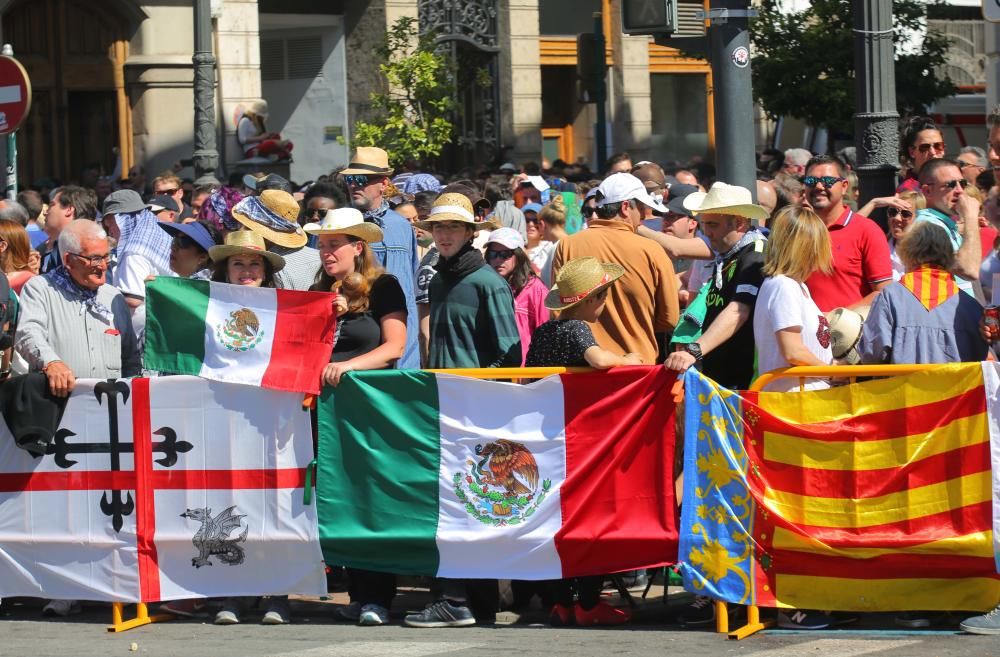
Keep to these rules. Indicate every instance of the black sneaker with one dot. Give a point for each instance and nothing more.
(700, 613)
(441, 614)
(802, 619)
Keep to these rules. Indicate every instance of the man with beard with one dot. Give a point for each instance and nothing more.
(861, 264)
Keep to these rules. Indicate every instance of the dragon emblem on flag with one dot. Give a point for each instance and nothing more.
(213, 537)
(501, 487)
(241, 332)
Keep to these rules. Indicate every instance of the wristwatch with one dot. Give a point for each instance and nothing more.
(694, 349)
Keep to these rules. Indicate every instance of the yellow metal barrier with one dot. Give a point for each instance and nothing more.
(142, 617)
(850, 372)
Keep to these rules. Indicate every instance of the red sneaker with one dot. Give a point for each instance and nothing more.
(602, 614)
(191, 608)
(561, 615)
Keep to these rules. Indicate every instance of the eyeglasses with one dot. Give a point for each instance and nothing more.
(183, 242)
(936, 146)
(588, 210)
(309, 213)
(951, 184)
(360, 179)
(499, 255)
(531, 220)
(892, 213)
(167, 192)
(828, 181)
(963, 164)
(93, 261)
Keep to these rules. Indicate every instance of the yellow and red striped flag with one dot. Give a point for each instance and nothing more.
(876, 496)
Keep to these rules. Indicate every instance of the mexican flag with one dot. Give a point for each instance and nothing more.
(436, 474)
(279, 339)
(162, 489)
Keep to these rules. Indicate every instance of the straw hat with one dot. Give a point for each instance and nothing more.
(725, 199)
(274, 216)
(345, 221)
(259, 108)
(845, 333)
(369, 160)
(245, 242)
(454, 207)
(578, 279)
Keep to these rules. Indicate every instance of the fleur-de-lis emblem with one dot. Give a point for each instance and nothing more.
(751, 417)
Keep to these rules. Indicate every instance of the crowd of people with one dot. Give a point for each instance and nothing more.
(528, 266)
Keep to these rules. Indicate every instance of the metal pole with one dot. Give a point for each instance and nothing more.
(11, 186)
(876, 131)
(205, 156)
(729, 53)
(601, 96)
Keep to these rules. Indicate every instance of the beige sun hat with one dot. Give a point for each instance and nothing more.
(455, 207)
(369, 160)
(245, 242)
(845, 333)
(259, 108)
(578, 279)
(345, 221)
(725, 199)
(274, 216)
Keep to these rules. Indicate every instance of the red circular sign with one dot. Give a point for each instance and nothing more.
(15, 95)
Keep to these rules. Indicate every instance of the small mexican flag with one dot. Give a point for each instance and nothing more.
(435, 474)
(278, 339)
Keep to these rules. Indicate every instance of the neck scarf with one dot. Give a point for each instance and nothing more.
(61, 279)
(218, 209)
(749, 237)
(932, 286)
(141, 234)
(376, 216)
(460, 265)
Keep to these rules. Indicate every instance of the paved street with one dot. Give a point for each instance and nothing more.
(315, 634)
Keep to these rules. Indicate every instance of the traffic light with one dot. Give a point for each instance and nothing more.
(649, 16)
(590, 66)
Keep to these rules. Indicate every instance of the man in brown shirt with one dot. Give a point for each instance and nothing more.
(644, 301)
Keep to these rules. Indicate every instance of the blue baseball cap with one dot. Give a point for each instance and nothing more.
(532, 207)
(195, 231)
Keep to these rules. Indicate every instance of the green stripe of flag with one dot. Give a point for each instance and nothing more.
(377, 485)
(175, 324)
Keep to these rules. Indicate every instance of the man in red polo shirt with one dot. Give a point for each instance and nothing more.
(861, 265)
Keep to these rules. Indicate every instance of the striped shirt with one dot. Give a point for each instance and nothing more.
(301, 267)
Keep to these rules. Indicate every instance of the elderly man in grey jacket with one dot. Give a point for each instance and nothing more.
(73, 324)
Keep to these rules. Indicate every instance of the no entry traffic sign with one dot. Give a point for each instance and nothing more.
(15, 95)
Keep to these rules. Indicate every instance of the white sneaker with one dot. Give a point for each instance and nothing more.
(373, 615)
(62, 608)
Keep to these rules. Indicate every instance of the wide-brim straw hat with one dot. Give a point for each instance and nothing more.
(245, 242)
(266, 213)
(578, 279)
(455, 207)
(725, 199)
(345, 221)
(369, 160)
(845, 333)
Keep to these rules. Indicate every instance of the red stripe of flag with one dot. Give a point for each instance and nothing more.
(618, 497)
(17, 482)
(297, 355)
(862, 484)
(872, 426)
(142, 440)
(229, 479)
(889, 566)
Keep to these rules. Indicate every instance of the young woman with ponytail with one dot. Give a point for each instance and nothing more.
(553, 224)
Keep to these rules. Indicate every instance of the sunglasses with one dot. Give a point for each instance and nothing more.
(183, 242)
(499, 255)
(167, 192)
(309, 213)
(531, 220)
(892, 213)
(926, 148)
(951, 184)
(360, 179)
(828, 181)
(588, 210)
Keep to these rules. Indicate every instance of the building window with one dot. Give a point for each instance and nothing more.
(291, 59)
(680, 116)
(566, 17)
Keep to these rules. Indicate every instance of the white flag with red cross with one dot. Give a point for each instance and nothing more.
(162, 489)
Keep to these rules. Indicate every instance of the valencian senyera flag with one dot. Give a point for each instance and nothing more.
(279, 339)
(437, 474)
(160, 489)
(868, 497)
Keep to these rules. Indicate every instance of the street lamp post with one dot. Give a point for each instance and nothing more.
(205, 156)
(876, 131)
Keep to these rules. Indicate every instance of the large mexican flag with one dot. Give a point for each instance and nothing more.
(279, 339)
(436, 474)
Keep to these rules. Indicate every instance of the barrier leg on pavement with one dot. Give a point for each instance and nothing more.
(142, 617)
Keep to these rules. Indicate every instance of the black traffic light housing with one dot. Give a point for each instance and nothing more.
(649, 16)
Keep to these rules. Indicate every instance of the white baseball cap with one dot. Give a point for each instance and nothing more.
(622, 186)
(507, 237)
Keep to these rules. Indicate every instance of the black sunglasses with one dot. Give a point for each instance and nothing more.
(828, 181)
(500, 255)
(951, 184)
(892, 213)
(588, 210)
(360, 179)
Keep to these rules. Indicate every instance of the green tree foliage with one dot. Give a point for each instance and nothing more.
(803, 63)
(411, 113)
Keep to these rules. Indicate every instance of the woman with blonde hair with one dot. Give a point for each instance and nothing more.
(254, 138)
(788, 327)
(371, 335)
(15, 254)
(553, 224)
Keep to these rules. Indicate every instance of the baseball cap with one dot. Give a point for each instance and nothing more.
(121, 201)
(162, 202)
(507, 237)
(198, 233)
(678, 192)
(532, 207)
(622, 186)
(270, 181)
